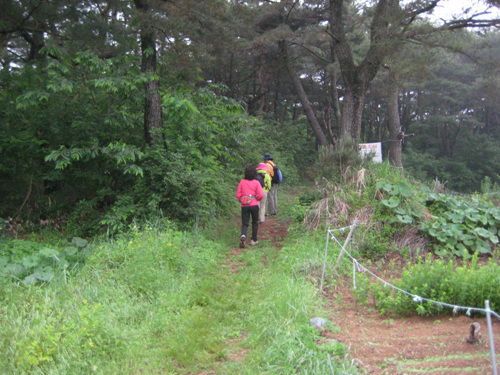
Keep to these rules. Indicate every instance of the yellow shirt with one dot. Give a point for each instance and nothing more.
(270, 165)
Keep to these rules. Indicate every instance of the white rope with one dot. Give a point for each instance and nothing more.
(416, 298)
(340, 229)
(354, 275)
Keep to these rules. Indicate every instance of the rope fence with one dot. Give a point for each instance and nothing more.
(358, 267)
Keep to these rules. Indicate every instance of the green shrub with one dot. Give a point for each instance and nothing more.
(440, 281)
(32, 262)
(377, 242)
(183, 187)
(461, 227)
(338, 163)
(397, 201)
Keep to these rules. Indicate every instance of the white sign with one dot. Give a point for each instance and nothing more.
(374, 149)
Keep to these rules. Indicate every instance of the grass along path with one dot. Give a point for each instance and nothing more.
(162, 301)
(270, 331)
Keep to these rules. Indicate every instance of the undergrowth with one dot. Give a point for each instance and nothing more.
(166, 301)
(431, 283)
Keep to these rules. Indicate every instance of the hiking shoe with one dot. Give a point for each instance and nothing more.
(242, 241)
(253, 243)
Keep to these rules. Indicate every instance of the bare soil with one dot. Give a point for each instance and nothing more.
(396, 346)
(384, 345)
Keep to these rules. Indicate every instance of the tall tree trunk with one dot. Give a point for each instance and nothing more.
(311, 117)
(335, 99)
(357, 78)
(352, 111)
(394, 125)
(152, 106)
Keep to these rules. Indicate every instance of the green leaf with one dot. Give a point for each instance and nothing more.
(31, 279)
(456, 218)
(48, 253)
(441, 236)
(44, 276)
(400, 210)
(386, 186)
(483, 246)
(405, 219)
(79, 242)
(405, 190)
(451, 241)
(14, 269)
(392, 202)
(483, 232)
(31, 261)
(70, 250)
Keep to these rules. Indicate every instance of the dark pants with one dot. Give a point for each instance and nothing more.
(245, 219)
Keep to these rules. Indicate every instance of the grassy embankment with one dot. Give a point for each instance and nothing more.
(168, 302)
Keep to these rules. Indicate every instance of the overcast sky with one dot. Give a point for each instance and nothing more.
(450, 8)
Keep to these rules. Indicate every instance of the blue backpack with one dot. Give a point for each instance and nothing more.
(278, 176)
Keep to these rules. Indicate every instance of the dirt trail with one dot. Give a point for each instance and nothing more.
(273, 230)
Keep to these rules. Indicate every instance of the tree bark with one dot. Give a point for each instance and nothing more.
(309, 112)
(357, 78)
(352, 111)
(152, 106)
(394, 125)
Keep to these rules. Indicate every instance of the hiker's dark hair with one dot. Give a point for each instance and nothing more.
(250, 172)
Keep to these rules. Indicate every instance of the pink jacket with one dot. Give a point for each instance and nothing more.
(250, 187)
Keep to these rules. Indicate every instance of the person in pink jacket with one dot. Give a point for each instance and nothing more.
(249, 193)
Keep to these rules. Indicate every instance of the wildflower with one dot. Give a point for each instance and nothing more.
(85, 301)
(169, 244)
(91, 344)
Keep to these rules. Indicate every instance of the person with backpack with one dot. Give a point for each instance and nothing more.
(249, 193)
(265, 181)
(275, 173)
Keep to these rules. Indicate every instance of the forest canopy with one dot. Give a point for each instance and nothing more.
(116, 111)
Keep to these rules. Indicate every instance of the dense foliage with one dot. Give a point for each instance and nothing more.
(114, 113)
(401, 218)
(438, 281)
(461, 227)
